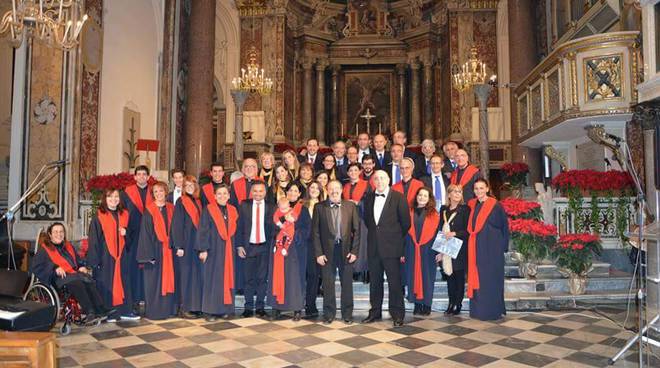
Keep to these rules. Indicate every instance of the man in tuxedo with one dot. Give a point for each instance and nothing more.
(387, 219)
(423, 162)
(254, 231)
(449, 148)
(339, 152)
(437, 181)
(399, 137)
(312, 157)
(336, 239)
(363, 145)
(393, 168)
(383, 158)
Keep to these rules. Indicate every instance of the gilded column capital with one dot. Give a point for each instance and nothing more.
(401, 69)
(321, 64)
(307, 63)
(414, 65)
(335, 68)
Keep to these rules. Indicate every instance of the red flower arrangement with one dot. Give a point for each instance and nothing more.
(520, 208)
(515, 173)
(593, 181)
(119, 181)
(532, 227)
(575, 252)
(532, 238)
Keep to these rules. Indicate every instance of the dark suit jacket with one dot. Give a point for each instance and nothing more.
(322, 229)
(420, 167)
(428, 181)
(447, 169)
(318, 161)
(459, 226)
(410, 154)
(341, 171)
(244, 226)
(386, 239)
(387, 159)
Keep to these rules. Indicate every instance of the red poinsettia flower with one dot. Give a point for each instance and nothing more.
(520, 208)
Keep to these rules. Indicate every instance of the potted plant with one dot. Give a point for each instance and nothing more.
(100, 183)
(515, 174)
(574, 254)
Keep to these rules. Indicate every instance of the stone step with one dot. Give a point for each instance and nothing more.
(549, 270)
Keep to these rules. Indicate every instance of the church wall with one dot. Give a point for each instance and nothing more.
(6, 65)
(131, 47)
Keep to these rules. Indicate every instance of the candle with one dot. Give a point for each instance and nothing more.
(13, 9)
(59, 14)
(41, 7)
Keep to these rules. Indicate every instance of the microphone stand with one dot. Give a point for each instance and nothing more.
(39, 181)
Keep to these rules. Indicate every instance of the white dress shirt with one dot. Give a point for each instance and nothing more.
(176, 194)
(362, 152)
(442, 188)
(262, 231)
(311, 158)
(379, 204)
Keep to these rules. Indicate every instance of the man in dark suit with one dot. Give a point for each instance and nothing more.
(341, 162)
(423, 162)
(364, 146)
(399, 137)
(253, 234)
(388, 220)
(449, 148)
(312, 156)
(393, 167)
(336, 237)
(383, 158)
(437, 181)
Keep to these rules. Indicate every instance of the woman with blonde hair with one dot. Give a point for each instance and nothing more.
(453, 221)
(267, 162)
(188, 267)
(291, 163)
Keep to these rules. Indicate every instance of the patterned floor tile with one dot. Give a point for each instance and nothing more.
(472, 359)
(531, 359)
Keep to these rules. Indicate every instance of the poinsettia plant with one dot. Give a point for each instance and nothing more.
(96, 185)
(515, 173)
(519, 208)
(533, 238)
(575, 252)
(594, 181)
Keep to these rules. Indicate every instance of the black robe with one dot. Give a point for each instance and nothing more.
(459, 226)
(188, 269)
(209, 240)
(44, 268)
(487, 303)
(102, 265)
(294, 291)
(157, 306)
(429, 265)
(134, 226)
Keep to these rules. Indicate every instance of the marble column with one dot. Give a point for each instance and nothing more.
(239, 98)
(649, 116)
(440, 120)
(428, 99)
(334, 103)
(415, 119)
(481, 92)
(198, 128)
(307, 65)
(320, 100)
(402, 124)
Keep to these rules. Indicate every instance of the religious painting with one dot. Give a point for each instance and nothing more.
(368, 102)
(130, 137)
(603, 78)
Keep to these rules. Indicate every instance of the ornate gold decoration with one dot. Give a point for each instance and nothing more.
(571, 57)
(603, 77)
(55, 22)
(551, 152)
(472, 72)
(251, 8)
(253, 78)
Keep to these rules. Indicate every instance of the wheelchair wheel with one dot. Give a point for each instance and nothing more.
(43, 294)
(65, 329)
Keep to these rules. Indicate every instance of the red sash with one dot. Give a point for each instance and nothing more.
(484, 212)
(134, 194)
(282, 242)
(429, 229)
(371, 181)
(115, 248)
(60, 261)
(191, 209)
(240, 188)
(412, 189)
(226, 234)
(167, 273)
(358, 192)
(470, 172)
(209, 192)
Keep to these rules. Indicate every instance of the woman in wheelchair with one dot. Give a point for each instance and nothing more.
(59, 265)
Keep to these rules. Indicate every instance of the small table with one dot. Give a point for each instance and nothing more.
(37, 349)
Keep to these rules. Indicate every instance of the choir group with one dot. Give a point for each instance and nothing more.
(280, 234)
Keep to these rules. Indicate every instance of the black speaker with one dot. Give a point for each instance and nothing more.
(35, 316)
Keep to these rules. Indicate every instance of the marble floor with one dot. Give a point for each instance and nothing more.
(548, 339)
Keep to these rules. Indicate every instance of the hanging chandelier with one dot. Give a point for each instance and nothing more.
(56, 22)
(472, 72)
(253, 79)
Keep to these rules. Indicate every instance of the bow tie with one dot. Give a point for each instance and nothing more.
(380, 195)
(334, 205)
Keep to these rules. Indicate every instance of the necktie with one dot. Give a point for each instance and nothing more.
(380, 159)
(310, 160)
(397, 174)
(336, 220)
(453, 164)
(258, 233)
(428, 167)
(438, 192)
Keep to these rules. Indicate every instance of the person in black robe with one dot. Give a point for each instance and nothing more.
(156, 253)
(488, 228)
(57, 264)
(109, 240)
(135, 198)
(284, 264)
(313, 197)
(294, 192)
(420, 278)
(215, 244)
(267, 161)
(185, 223)
(453, 222)
(465, 174)
(217, 171)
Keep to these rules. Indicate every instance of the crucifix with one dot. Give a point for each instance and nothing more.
(368, 116)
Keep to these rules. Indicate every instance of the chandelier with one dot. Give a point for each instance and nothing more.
(55, 22)
(472, 72)
(252, 79)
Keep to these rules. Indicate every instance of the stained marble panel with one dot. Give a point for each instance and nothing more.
(537, 112)
(252, 35)
(485, 39)
(553, 93)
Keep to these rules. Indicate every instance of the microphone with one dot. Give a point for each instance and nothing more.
(57, 163)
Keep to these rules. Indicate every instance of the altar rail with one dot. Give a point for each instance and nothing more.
(565, 221)
(589, 76)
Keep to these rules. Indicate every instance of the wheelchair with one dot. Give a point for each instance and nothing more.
(68, 310)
